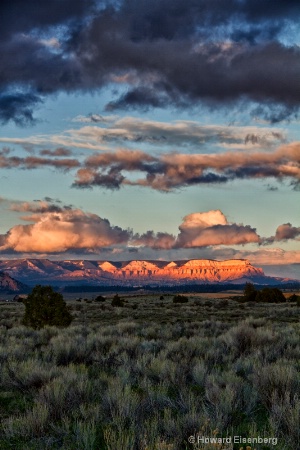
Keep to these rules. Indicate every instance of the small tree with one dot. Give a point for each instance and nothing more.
(250, 292)
(117, 301)
(43, 307)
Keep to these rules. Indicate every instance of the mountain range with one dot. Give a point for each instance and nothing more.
(135, 272)
(9, 284)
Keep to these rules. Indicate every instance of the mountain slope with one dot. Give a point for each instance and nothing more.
(135, 272)
(9, 284)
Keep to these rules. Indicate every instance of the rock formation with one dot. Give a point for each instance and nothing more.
(131, 272)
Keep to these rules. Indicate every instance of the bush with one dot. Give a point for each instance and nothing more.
(180, 299)
(269, 295)
(117, 301)
(294, 298)
(99, 298)
(249, 292)
(43, 307)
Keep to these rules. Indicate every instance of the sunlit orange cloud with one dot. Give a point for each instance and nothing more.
(62, 231)
(201, 229)
(212, 228)
(59, 228)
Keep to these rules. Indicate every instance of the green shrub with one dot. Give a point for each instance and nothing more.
(117, 301)
(43, 307)
(180, 299)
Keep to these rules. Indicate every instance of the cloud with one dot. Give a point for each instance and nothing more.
(153, 240)
(18, 107)
(173, 170)
(112, 130)
(16, 16)
(200, 229)
(186, 74)
(284, 232)
(37, 208)
(57, 152)
(62, 231)
(95, 118)
(60, 228)
(268, 256)
(204, 229)
(34, 162)
(177, 133)
(173, 52)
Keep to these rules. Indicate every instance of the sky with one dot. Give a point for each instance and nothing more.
(158, 129)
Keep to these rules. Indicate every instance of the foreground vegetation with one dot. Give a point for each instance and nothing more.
(151, 373)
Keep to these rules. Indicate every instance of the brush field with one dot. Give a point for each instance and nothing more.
(149, 375)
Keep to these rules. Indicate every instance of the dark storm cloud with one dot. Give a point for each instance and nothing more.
(142, 98)
(18, 107)
(171, 19)
(166, 52)
(22, 16)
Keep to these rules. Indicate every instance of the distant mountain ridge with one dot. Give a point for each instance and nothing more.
(134, 272)
(9, 284)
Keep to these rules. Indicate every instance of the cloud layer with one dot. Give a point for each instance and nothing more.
(55, 228)
(165, 171)
(172, 52)
(171, 170)
(105, 132)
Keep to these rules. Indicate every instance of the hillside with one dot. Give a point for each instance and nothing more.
(129, 273)
(9, 284)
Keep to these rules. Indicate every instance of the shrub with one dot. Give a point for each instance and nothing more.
(180, 299)
(117, 301)
(99, 298)
(294, 298)
(269, 295)
(43, 307)
(249, 292)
